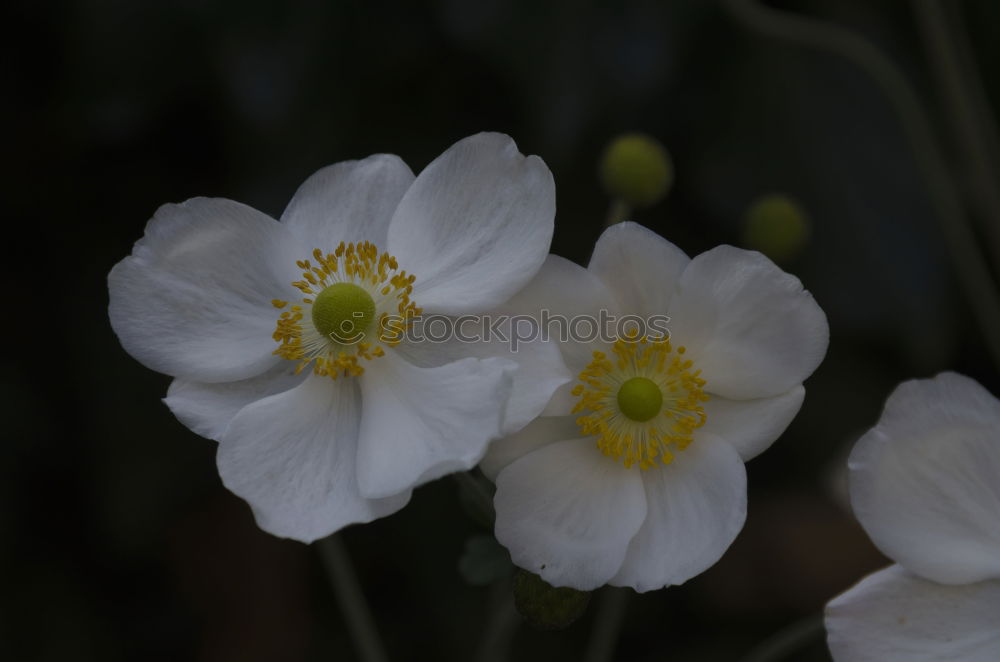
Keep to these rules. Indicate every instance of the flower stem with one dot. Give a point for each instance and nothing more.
(968, 262)
(618, 212)
(476, 487)
(965, 103)
(350, 599)
(779, 645)
(501, 626)
(608, 625)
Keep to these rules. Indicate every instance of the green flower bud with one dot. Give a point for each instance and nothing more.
(545, 607)
(776, 226)
(637, 170)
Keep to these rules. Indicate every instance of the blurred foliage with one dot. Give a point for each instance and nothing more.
(484, 561)
(119, 540)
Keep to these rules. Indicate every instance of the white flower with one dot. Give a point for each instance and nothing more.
(925, 485)
(319, 430)
(634, 476)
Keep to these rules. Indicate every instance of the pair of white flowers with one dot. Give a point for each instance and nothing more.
(615, 462)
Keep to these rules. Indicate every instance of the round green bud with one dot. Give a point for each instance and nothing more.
(544, 606)
(343, 312)
(640, 399)
(637, 170)
(776, 226)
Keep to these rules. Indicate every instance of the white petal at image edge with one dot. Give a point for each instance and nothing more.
(893, 615)
(925, 481)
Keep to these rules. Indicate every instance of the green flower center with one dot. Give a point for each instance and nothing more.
(640, 399)
(343, 312)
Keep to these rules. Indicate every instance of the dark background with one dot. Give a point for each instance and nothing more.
(119, 542)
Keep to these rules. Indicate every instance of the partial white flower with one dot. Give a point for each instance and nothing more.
(634, 475)
(925, 485)
(287, 338)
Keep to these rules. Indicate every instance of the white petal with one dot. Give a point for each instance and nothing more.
(475, 226)
(292, 456)
(540, 372)
(194, 298)
(539, 432)
(894, 616)
(567, 512)
(348, 201)
(925, 481)
(563, 297)
(207, 409)
(422, 423)
(540, 367)
(640, 266)
(751, 425)
(695, 506)
(562, 401)
(563, 288)
(750, 327)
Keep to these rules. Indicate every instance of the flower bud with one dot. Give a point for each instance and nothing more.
(776, 226)
(637, 170)
(544, 606)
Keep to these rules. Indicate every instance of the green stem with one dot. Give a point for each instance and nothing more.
(965, 104)
(351, 599)
(784, 642)
(618, 211)
(969, 264)
(974, 81)
(501, 626)
(608, 624)
(479, 491)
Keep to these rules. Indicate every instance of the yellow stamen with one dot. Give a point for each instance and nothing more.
(354, 282)
(641, 402)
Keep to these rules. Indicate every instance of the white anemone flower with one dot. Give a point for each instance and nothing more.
(925, 485)
(634, 476)
(289, 341)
